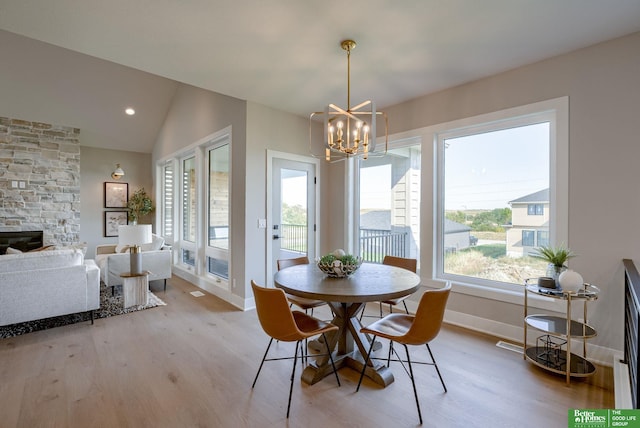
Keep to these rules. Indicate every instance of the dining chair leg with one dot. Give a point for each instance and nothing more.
(381, 309)
(262, 362)
(437, 369)
(405, 307)
(293, 374)
(326, 343)
(413, 382)
(366, 361)
(390, 351)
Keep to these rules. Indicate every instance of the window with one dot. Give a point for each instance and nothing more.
(528, 238)
(535, 209)
(542, 238)
(218, 230)
(389, 204)
(167, 201)
(194, 205)
(189, 210)
(502, 179)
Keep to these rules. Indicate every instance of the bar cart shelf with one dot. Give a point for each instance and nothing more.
(552, 350)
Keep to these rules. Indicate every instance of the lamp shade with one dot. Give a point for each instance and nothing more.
(133, 235)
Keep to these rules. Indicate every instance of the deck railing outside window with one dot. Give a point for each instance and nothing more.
(294, 237)
(374, 243)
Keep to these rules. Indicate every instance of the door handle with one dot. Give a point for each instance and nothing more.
(276, 237)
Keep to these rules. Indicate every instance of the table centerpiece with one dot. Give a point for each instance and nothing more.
(338, 264)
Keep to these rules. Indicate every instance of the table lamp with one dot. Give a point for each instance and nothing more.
(133, 236)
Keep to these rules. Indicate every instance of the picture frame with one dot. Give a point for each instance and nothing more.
(116, 195)
(113, 219)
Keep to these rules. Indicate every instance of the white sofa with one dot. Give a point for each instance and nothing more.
(45, 284)
(114, 260)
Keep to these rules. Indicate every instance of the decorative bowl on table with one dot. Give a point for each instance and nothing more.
(338, 264)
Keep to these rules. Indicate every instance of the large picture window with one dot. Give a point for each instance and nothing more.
(497, 184)
(389, 204)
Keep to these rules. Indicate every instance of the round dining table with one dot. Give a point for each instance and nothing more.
(347, 297)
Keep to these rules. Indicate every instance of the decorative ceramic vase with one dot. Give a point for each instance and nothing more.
(554, 271)
(571, 281)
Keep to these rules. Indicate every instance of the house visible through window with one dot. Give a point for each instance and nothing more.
(494, 205)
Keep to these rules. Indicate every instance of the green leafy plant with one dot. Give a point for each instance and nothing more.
(556, 256)
(347, 259)
(140, 204)
(328, 259)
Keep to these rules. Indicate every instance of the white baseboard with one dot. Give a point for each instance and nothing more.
(212, 288)
(596, 354)
(621, 383)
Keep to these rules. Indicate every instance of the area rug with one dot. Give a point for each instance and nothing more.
(109, 306)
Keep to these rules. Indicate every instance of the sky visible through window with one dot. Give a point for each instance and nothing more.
(486, 171)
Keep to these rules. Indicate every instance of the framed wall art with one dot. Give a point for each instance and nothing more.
(116, 195)
(113, 219)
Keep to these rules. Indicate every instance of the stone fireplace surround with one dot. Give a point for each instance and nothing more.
(40, 180)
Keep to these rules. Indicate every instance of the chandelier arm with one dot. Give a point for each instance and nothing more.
(340, 111)
(362, 104)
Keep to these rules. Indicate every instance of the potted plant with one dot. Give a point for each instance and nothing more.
(557, 258)
(140, 204)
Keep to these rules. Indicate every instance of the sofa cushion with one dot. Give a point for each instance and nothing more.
(40, 260)
(156, 243)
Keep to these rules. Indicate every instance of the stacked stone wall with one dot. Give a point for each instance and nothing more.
(40, 179)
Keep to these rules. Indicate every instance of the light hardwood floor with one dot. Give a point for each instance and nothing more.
(191, 364)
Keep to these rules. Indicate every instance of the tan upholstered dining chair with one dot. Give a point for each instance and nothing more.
(401, 262)
(301, 302)
(418, 329)
(280, 323)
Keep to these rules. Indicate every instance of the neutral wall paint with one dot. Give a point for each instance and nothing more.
(603, 85)
(96, 166)
(193, 115)
(268, 129)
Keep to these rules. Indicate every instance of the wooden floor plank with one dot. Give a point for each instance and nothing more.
(191, 364)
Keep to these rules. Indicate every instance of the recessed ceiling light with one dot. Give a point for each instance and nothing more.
(130, 111)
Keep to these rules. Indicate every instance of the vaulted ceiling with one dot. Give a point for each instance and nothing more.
(281, 53)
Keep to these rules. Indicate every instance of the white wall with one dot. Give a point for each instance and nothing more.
(96, 166)
(193, 115)
(603, 85)
(267, 129)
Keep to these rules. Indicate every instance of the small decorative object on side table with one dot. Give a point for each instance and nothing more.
(135, 288)
(557, 257)
(558, 332)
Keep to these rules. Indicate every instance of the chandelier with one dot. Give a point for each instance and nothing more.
(351, 131)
